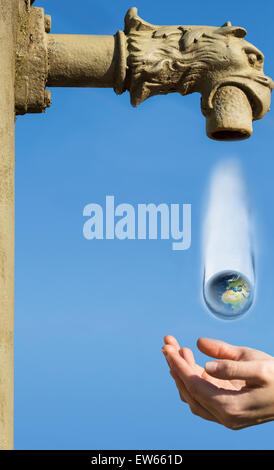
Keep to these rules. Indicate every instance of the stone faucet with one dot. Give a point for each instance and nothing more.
(148, 60)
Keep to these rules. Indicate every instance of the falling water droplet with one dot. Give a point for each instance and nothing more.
(229, 279)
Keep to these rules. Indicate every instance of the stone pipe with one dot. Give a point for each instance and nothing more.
(149, 60)
(82, 61)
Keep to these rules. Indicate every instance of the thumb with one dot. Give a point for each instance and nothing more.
(219, 349)
(229, 370)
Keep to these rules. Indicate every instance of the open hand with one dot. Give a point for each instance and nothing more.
(236, 391)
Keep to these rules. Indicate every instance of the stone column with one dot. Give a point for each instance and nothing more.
(8, 26)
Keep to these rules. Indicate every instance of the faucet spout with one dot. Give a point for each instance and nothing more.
(231, 116)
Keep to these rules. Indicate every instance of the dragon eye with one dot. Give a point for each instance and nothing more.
(252, 58)
(255, 58)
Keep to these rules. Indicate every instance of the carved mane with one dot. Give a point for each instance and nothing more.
(166, 59)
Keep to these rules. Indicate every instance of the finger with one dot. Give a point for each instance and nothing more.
(179, 385)
(199, 388)
(219, 349)
(187, 354)
(195, 407)
(175, 377)
(173, 374)
(172, 341)
(166, 357)
(168, 348)
(250, 371)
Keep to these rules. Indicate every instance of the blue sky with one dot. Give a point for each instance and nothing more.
(90, 315)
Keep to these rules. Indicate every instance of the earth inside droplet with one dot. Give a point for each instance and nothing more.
(228, 294)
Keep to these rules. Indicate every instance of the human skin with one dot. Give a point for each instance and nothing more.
(236, 391)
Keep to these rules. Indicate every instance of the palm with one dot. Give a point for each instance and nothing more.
(246, 355)
(225, 384)
(200, 371)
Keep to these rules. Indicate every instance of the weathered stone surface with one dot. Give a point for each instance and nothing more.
(203, 59)
(9, 10)
(147, 60)
(31, 61)
(231, 115)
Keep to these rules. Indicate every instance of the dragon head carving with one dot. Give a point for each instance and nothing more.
(187, 59)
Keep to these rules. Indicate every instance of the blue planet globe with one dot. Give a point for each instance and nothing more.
(228, 294)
